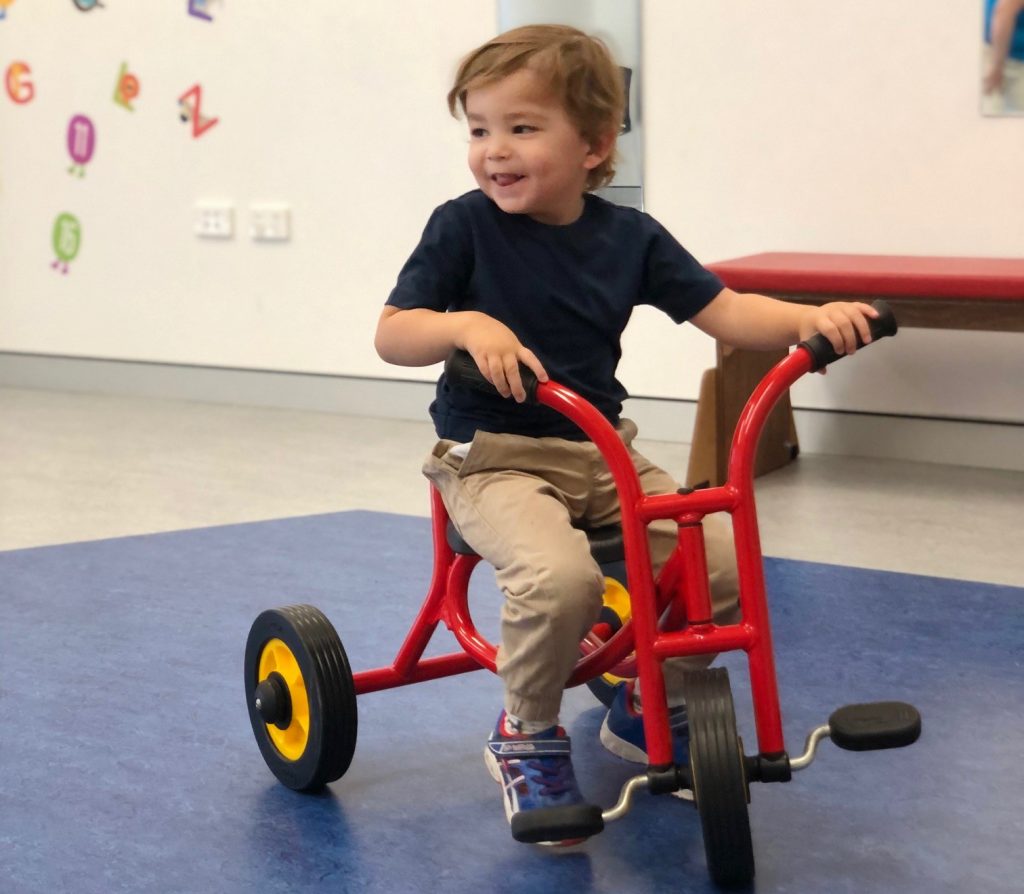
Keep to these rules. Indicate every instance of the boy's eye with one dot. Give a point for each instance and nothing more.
(477, 132)
(524, 128)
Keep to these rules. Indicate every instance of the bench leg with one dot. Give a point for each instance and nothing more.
(723, 392)
(703, 463)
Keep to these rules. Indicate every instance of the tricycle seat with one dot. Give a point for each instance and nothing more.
(605, 543)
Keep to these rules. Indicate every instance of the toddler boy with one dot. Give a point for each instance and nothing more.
(533, 268)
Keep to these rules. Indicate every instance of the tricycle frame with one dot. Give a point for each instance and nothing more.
(682, 588)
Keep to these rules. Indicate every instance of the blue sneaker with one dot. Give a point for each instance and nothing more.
(622, 732)
(543, 803)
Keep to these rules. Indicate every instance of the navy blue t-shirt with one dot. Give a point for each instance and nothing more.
(567, 293)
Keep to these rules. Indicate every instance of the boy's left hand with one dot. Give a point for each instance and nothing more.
(840, 322)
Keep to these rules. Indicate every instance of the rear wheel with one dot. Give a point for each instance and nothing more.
(301, 697)
(614, 613)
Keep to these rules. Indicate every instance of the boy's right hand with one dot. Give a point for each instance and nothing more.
(498, 353)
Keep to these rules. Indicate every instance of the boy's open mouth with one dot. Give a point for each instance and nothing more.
(506, 179)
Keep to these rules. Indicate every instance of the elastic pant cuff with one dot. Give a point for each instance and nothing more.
(532, 708)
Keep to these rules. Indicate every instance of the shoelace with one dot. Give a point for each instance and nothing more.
(553, 774)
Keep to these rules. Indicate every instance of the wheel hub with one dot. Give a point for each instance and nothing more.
(273, 701)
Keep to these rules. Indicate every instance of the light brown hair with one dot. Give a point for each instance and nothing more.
(577, 68)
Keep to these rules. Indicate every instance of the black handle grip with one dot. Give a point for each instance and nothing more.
(461, 371)
(821, 350)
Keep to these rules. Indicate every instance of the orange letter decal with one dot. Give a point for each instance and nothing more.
(20, 91)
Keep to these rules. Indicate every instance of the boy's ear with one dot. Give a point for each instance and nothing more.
(600, 150)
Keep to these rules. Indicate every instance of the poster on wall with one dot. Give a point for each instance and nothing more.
(67, 240)
(1002, 53)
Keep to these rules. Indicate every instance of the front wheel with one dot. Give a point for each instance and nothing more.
(720, 787)
(301, 696)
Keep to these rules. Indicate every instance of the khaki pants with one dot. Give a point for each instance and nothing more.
(515, 500)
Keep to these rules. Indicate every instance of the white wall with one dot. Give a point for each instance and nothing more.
(787, 125)
(336, 108)
(809, 126)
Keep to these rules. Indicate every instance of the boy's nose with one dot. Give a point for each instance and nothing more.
(497, 149)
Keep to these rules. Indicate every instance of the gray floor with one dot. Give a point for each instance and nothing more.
(83, 467)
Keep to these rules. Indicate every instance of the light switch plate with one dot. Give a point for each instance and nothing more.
(270, 222)
(214, 219)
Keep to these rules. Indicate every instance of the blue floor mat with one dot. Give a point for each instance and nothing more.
(129, 765)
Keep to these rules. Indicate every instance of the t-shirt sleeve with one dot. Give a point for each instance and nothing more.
(438, 270)
(675, 281)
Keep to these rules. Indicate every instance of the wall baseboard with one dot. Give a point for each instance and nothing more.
(952, 441)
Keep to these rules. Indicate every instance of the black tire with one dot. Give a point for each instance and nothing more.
(310, 742)
(720, 786)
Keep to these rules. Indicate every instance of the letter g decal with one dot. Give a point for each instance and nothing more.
(20, 91)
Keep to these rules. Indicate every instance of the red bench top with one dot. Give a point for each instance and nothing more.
(875, 275)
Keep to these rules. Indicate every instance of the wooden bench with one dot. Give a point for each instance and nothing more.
(925, 292)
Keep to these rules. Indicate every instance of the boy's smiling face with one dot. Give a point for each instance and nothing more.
(525, 153)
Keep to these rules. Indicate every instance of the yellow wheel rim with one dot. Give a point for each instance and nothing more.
(291, 742)
(616, 597)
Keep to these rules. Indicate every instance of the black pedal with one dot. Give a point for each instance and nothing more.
(547, 824)
(875, 725)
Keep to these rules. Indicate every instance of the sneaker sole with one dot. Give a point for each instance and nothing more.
(491, 763)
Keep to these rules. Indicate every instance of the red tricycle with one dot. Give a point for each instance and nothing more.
(301, 692)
